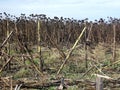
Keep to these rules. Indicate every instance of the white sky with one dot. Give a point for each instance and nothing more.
(78, 9)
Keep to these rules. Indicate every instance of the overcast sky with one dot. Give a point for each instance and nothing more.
(78, 9)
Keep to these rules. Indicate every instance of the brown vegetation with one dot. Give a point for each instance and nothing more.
(36, 46)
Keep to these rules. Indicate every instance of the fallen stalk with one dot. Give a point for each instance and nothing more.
(70, 52)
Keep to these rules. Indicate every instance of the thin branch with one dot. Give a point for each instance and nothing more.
(6, 39)
(6, 63)
(70, 52)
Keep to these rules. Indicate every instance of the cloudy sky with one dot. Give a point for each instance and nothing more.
(78, 9)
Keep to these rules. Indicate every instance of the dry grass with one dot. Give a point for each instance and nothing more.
(75, 67)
